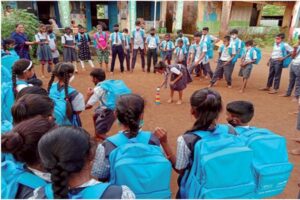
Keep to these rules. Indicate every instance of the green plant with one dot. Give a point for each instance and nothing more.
(29, 20)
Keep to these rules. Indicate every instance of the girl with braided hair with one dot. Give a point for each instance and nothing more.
(69, 103)
(129, 112)
(70, 168)
(19, 181)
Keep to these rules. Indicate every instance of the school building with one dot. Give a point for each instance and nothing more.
(169, 15)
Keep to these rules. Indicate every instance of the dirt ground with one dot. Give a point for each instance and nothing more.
(271, 111)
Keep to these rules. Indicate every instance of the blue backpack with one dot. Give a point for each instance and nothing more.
(142, 33)
(210, 47)
(7, 101)
(270, 162)
(221, 167)
(258, 54)
(85, 35)
(8, 62)
(242, 48)
(13, 175)
(5, 75)
(286, 62)
(156, 40)
(60, 106)
(91, 192)
(113, 89)
(233, 61)
(140, 166)
(98, 36)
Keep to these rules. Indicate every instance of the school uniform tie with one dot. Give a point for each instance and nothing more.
(117, 38)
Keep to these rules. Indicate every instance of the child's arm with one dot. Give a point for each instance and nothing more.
(164, 82)
(89, 94)
(201, 57)
(177, 79)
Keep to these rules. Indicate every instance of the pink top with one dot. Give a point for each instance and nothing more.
(101, 40)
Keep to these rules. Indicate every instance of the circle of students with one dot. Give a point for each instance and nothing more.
(46, 153)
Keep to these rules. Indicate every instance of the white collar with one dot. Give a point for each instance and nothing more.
(43, 175)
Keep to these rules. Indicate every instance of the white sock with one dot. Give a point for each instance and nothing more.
(82, 64)
(91, 64)
(75, 66)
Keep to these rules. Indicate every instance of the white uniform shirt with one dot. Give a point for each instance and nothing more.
(296, 60)
(152, 42)
(67, 37)
(204, 38)
(199, 52)
(225, 56)
(41, 36)
(277, 51)
(98, 94)
(248, 57)
(138, 40)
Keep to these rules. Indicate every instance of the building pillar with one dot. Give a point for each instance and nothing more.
(88, 15)
(132, 14)
(287, 15)
(295, 19)
(64, 12)
(163, 12)
(200, 11)
(225, 16)
(178, 17)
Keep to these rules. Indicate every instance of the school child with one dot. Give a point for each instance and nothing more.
(19, 182)
(117, 47)
(69, 103)
(152, 44)
(180, 53)
(71, 160)
(127, 47)
(9, 48)
(22, 71)
(294, 73)
(193, 150)
(248, 60)
(167, 48)
(32, 90)
(52, 44)
(69, 52)
(101, 44)
(106, 93)
(280, 54)
(185, 40)
(44, 53)
(180, 77)
(83, 43)
(269, 150)
(143, 177)
(138, 44)
(226, 57)
(198, 56)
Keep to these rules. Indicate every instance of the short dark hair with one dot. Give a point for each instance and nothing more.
(99, 74)
(197, 34)
(152, 29)
(298, 37)
(234, 31)
(125, 30)
(205, 29)
(179, 31)
(227, 37)
(137, 23)
(167, 34)
(180, 41)
(281, 35)
(116, 25)
(249, 43)
(244, 110)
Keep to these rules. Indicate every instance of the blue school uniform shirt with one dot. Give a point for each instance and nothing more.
(113, 36)
(197, 50)
(180, 53)
(185, 40)
(152, 41)
(126, 41)
(168, 45)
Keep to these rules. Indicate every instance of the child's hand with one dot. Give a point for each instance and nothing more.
(90, 92)
(161, 134)
(172, 83)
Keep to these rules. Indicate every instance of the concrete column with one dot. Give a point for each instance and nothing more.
(295, 19)
(225, 16)
(64, 13)
(287, 15)
(163, 12)
(132, 14)
(179, 13)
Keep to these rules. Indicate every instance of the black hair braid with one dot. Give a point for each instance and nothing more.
(132, 123)
(50, 82)
(14, 82)
(66, 85)
(59, 179)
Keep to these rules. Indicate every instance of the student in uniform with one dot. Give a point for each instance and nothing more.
(138, 44)
(167, 47)
(180, 53)
(226, 55)
(102, 48)
(117, 47)
(44, 53)
(276, 63)
(22, 143)
(152, 44)
(127, 48)
(69, 103)
(67, 153)
(52, 44)
(69, 52)
(185, 40)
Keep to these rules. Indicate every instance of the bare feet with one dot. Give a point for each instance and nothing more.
(296, 139)
(241, 91)
(229, 86)
(170, 101)
(179, 102)
(273, 92)
(264, 89)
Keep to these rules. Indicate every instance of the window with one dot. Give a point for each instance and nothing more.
(145, 10)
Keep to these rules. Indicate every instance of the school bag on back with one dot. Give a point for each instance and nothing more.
(287, 61)
(210, 47)
(271, 165)
(60, 106)
(91, 192)
(221, 167)
(258, 54)
(140, 166)
(113, 89)
(13, 175)
(230, 53)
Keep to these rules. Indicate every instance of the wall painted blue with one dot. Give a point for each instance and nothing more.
(157, 10)
(57, 16)
(88, 15)
(112, 14)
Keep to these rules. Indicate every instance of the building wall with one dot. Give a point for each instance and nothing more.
(240, 14)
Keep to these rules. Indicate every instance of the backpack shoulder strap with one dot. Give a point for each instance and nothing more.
(118, 139)
(95, 191)
(253, 130)
(31, 180)
(48, 191)
(144, 137)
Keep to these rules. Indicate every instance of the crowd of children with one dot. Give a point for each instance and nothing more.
(47, 154)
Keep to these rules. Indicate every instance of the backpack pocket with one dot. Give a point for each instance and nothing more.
(272, 179)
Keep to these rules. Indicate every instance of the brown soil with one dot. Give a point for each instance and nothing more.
(271, 111)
